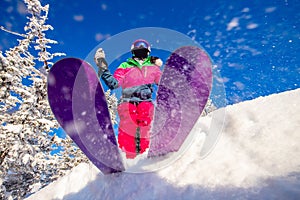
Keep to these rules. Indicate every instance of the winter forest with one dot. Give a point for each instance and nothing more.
(27, 124)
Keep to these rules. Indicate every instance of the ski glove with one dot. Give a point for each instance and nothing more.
(156, 60)
(100, 61)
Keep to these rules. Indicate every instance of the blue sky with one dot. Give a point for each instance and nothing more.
(255, 44)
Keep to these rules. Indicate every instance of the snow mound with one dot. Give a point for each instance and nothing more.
(257, 157)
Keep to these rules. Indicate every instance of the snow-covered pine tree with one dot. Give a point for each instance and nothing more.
(26, 163)
(112, 102)
(209, 107)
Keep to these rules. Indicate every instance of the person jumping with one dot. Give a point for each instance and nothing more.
(136, 77)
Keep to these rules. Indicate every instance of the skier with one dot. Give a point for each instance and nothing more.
(136, 77)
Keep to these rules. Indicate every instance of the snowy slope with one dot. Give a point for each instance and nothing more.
(257, 157)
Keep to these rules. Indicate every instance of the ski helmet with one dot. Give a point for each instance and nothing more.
(140, 44)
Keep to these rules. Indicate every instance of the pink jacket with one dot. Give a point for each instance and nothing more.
(135, 79)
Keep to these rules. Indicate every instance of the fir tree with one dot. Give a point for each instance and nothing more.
(26, 162)
(112, 102)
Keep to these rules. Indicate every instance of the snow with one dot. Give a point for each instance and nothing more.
(233, 23)
(256, 157)
(13, 128)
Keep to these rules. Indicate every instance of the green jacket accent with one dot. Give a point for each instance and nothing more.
(131, 63)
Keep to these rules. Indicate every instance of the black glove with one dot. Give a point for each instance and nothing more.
(156, 61)
(153, 59)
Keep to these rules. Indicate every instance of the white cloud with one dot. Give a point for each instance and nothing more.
(100, 36)
(78, 18)
(239, 85)
(270, 9)
(9, 9)
(252, 26)
(246, 10)
(22, 10)
(233, 23)
(104, 6)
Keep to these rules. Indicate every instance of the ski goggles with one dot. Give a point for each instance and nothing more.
(140, 44)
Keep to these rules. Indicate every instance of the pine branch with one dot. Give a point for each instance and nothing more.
(3, 154)
(112, 101)
(12, 32)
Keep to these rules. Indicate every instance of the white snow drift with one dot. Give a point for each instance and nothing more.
(257, 157)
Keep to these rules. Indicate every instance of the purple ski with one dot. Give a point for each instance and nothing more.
(79, 105)
(181, 97)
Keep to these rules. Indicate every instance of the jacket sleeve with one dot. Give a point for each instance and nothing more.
(109, 80)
